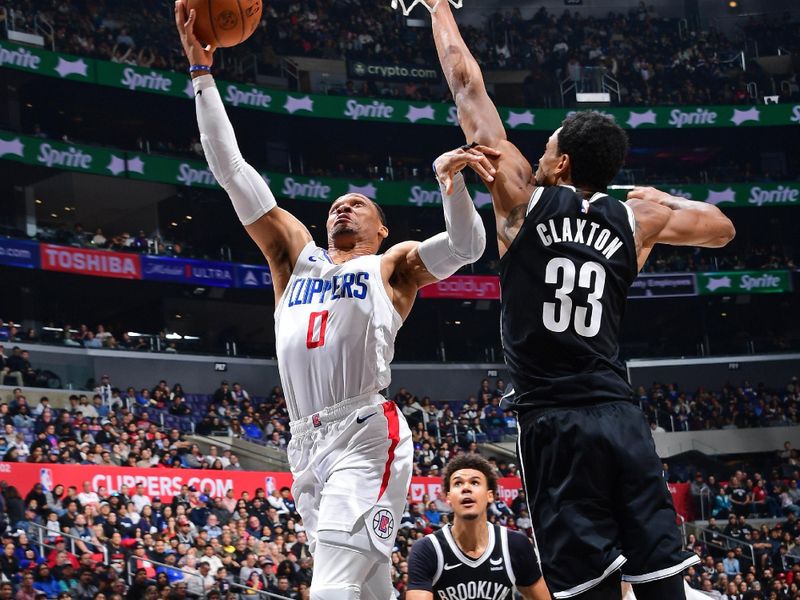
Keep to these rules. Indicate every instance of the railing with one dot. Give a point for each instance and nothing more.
(731, 543)
(42, 534)
(248, 591)
(45, 29)
(706, 503)
(591, 80)
(291, 71)
(187, 575)
(241, 590)
(681, 523)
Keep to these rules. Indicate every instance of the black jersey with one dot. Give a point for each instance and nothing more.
(564, 283)
(436, 564)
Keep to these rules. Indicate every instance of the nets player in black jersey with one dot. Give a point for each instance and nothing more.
(599, 505)
(473, 559)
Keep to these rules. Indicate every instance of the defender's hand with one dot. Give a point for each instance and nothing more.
(477, 157)
(184, 21)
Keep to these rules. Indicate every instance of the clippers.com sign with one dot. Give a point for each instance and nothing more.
(166, 483)
(81, 261)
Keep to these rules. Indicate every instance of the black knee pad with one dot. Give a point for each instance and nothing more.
(608, 589)
(670, 588)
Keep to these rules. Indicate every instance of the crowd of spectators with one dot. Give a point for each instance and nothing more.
(669, 259)
(141, 242)
(81, 337)
(131, 544)
(742, 559)
(734, 407)
(654, 60)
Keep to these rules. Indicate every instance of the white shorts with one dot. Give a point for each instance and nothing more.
(351, 461)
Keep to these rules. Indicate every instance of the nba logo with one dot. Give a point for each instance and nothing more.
(46, 479)
(270, 484)
(315, 420)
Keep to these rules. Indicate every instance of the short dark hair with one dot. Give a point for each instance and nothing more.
(597, 148)
(470, 461)
(381, 214)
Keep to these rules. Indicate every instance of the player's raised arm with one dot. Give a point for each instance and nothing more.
(665, 219)
(479, 118)
(412, 265)
(279, 235)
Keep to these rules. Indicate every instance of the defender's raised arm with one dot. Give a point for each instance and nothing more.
(480, 121)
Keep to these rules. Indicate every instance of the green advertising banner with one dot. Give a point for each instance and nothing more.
(42, 62)
(60, 155)
(193, 173)
(744, 282)
(170, 83)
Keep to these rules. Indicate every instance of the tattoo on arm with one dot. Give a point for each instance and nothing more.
(513, 222)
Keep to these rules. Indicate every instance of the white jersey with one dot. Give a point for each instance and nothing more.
(334, 331)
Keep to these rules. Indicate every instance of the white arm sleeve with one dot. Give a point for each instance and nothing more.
(465, 239)
(249, 193)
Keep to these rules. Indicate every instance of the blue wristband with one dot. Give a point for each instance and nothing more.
(195, 68)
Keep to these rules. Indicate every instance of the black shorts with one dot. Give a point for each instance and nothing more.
(597, 497)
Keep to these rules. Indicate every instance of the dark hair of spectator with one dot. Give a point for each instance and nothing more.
(597, 148)
(470, 461)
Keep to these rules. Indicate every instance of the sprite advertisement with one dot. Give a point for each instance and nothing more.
(178, 85)
(191, 173)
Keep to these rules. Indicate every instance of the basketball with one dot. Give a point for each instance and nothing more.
(225, 23)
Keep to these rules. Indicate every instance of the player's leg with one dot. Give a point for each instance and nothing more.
(362, 501)
(649, 534)
(378, 583)
(342, 562)
(569, 478)
(306, 487)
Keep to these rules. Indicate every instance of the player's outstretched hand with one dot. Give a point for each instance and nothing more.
(477, 157)
(184, 21)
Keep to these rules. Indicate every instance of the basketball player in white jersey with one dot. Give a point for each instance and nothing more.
(337, 314)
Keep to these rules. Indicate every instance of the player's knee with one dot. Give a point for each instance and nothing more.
(338, 592)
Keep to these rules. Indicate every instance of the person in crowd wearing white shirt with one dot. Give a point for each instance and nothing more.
(140, 499)
(104, 389)
(88, 497)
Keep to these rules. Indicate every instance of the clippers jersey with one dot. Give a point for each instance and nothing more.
(335, 328)
(436, 564)
(564, 283)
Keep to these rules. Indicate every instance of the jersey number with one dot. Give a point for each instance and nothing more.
(317, 324)
(558, 315)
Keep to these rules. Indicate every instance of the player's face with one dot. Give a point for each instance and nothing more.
(469, 494)
(552, 165)
(354, 217)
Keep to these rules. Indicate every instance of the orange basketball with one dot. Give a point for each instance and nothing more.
(225, 23)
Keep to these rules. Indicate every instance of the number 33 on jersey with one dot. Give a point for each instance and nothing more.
(564, 283)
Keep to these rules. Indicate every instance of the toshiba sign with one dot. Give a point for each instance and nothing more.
(464, 287)
(100, 263)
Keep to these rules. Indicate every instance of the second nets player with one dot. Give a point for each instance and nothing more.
(473, 559)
